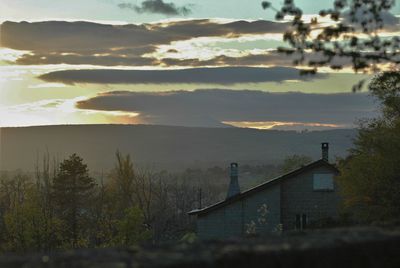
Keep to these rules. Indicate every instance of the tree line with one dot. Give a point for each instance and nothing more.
(63, 207)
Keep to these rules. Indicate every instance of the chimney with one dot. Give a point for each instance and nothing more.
(325, 151)
(234, 188)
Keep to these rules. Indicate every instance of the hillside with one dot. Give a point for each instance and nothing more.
(163, 147)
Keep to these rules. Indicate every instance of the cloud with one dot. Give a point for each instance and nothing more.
(84, 37)
(223, 75)
(77, 37)
(55, 42)
(157, 7)
(267, 59)
(271, 58)
(210, 108)
(78, 43)
(105, 60)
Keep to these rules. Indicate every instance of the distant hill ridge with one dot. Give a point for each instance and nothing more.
(163, 147)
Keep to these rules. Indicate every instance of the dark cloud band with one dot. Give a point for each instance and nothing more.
(223, 75)
(209, 108)
(156, 7)
(79, 37)
(55, 42)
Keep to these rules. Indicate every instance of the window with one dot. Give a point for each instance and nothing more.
(323, 182)
(301, 221)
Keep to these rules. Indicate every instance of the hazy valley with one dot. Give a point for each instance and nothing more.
(164, 147)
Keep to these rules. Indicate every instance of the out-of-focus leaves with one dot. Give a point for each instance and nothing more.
(354, 36)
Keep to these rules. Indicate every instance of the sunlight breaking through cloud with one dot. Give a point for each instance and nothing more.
(59, 112)
(282, 125)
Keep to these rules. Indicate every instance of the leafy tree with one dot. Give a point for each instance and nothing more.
(106, 212)
(370, 178)
(25, 225)
(141, 188)
(72, 195)
(353, 38)
(27, 228)
(295, 161)
(13, 197)
(131, 229)
(45, 171)
(137, 187)
(386, 87)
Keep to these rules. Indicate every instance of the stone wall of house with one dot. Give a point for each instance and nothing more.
(299, 197)
(233, 220)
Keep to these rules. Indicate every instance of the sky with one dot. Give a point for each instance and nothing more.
(171, 62)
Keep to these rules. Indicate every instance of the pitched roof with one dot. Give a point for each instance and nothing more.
(263, 186)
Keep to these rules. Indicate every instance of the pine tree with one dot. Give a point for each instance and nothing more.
(72, 192)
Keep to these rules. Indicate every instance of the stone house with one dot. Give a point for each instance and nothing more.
(293, 201)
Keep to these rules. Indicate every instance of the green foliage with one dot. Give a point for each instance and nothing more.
(370, 176)
(189, 238)
(26, 226)
(294, 162)
(22, 226)
(386, 87)
(131, 229)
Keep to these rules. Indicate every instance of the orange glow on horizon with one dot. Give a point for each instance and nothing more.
(264, 125)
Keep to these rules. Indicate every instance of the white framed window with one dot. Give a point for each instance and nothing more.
(323, 182)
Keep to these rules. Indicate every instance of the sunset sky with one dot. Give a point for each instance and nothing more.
(203, 63)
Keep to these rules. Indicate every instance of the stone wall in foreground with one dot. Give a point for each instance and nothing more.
(355, 247)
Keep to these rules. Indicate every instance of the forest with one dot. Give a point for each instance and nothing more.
(62, 206)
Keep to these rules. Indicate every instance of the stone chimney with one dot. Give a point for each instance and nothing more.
(234, 188)
(325, 151)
